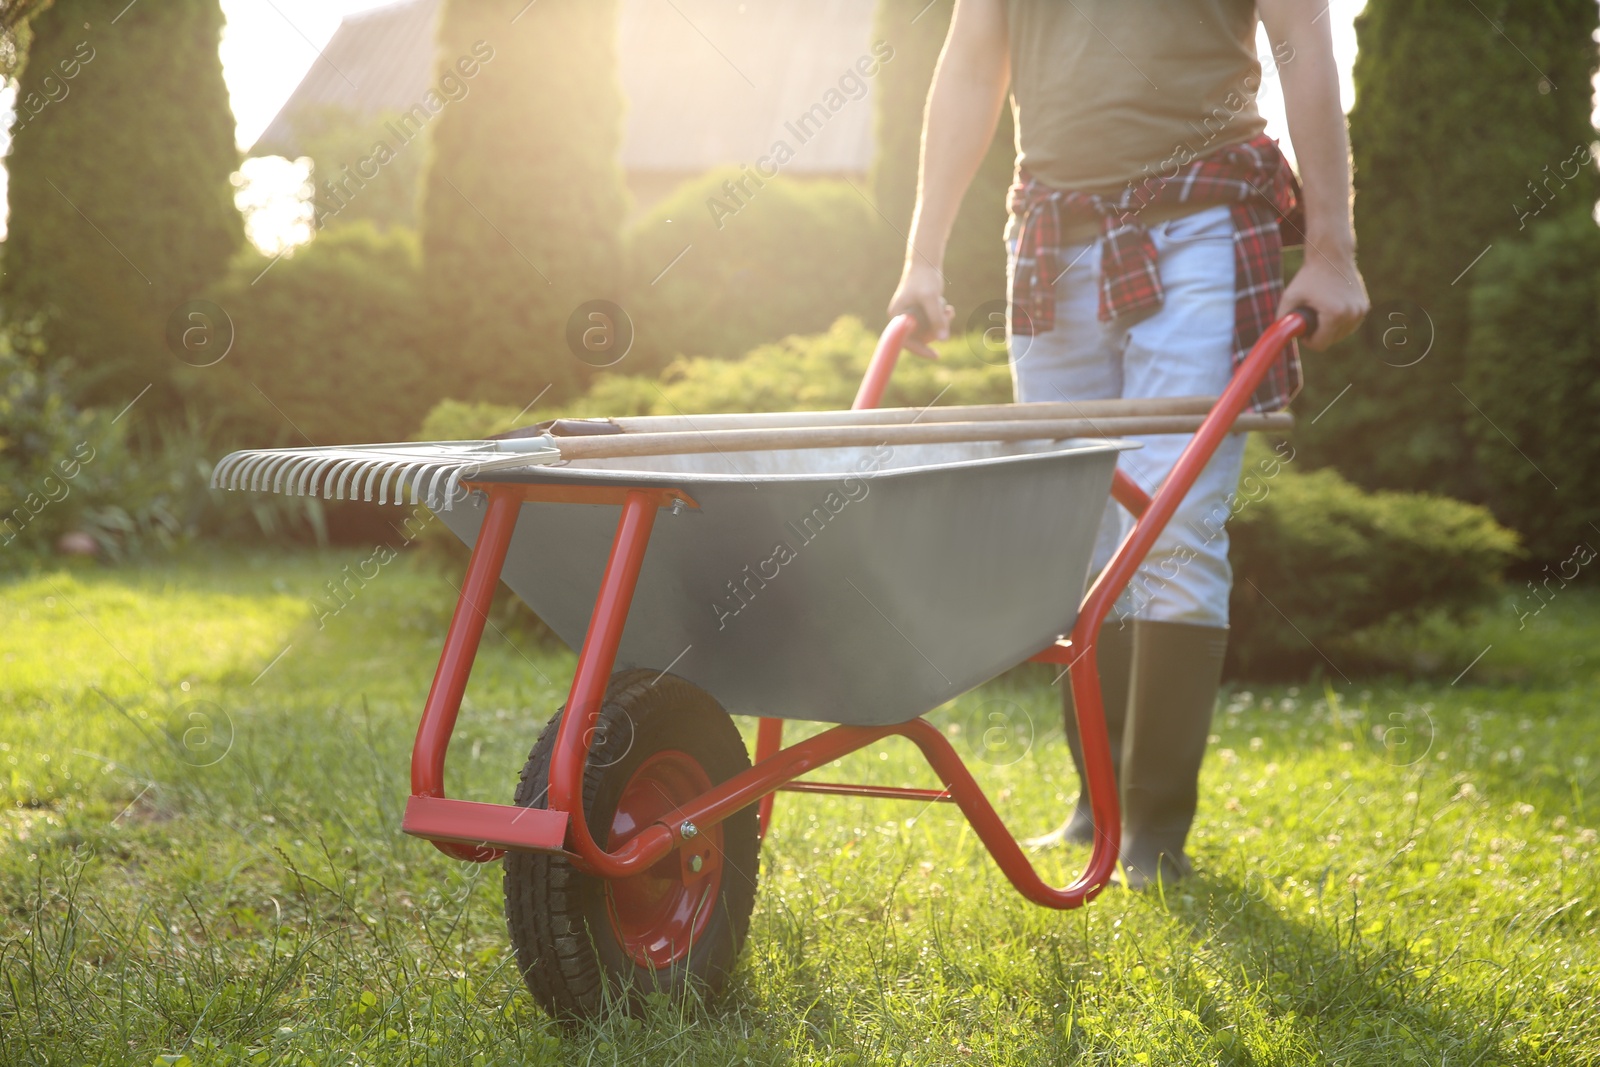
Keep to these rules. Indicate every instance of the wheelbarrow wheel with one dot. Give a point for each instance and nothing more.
(584, 943)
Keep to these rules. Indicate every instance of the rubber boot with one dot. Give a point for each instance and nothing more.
(1114, 656)
(1177, 668)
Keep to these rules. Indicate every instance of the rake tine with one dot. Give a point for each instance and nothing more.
(249, 470)
(452, 486)
(245, 476)
(390, 470)
(285, 477)
(407, 479)
(415, 477)
(339, 478)
(239, 471)
(219, 472)
(431, 473)
(272, 473)
(304, 474)
(310, 480)
(241, 475)
(419, 495)
(261, 472)
(372, 470)
(409, 475)
(447, 472)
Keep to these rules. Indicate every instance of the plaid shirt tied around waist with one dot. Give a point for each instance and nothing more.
(1252, 177)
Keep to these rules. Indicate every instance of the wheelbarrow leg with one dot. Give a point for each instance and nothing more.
(455, 665)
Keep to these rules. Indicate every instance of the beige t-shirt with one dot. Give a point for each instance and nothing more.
(1107, 92)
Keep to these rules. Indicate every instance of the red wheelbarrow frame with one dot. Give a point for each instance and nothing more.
(482, 832)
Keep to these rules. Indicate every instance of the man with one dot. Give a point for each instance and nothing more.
(1143, 246)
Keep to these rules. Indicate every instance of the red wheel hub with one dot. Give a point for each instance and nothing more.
(660, 914)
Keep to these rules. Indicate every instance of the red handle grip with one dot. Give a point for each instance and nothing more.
(900, 333)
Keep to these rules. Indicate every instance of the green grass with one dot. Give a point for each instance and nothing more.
(200, 862)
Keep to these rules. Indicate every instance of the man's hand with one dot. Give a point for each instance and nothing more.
(921, 292)
(1332, 287)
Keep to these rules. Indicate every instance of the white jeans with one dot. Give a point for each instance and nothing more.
(1185, 348)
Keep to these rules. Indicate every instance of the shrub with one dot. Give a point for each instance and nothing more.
(793, 256)
(800, 373)
(523, 201)
(121, 208)
(1533, 367)
(1433, 76)
(821, 372)
(328, 344)
(66, 469)
(1317, 561)
(53, 457)
(467, 420)
(163, 497)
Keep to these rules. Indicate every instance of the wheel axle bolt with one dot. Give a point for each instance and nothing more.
(688, 830)
(695, 863)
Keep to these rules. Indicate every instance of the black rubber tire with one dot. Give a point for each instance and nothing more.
(567, 949)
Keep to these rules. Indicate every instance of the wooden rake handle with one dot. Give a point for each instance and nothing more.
(758, 438)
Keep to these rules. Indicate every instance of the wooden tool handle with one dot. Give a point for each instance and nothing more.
(1074, 409)
(771, 438)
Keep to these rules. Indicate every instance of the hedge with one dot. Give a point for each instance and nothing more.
(523, 202)
(794, 255)
(799, 373)
(1467, 118)
(1533, 370)
(329, 345)
(1317, 561)
(134, 487)
(121, 207)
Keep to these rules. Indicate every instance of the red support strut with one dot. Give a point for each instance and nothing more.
(769, 739)
(595, 661)
(455, 665)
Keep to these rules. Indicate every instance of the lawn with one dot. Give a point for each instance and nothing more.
(200, 859)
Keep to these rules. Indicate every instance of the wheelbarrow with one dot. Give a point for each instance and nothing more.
(858, 568)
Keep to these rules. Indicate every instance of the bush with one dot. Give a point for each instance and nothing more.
(1317, 561)
(1533, 367)
(328, 345)
(523, 201)
(129, 127)
(63, 470)
(793, 256)
(53, 457)
(1431, 77)
(800, 373)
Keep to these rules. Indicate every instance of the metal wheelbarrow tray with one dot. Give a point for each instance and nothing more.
(863, 586)
(864, 577)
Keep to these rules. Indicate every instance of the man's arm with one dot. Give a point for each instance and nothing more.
(1328, 281)
(969, 88)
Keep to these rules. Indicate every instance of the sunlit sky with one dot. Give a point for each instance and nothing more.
(269, 45)
(267, 48)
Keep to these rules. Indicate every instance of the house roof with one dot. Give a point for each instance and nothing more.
(708, 82)
(377, 61)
